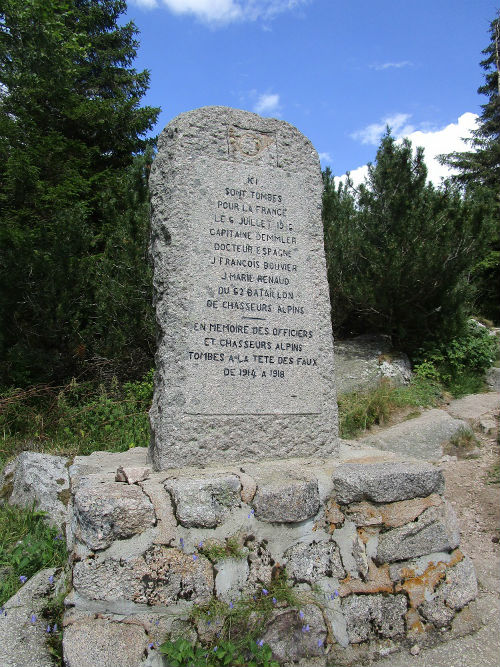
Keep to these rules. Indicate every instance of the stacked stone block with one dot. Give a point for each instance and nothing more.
(370, 546)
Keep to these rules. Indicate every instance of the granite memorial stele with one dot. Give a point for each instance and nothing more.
(245, 351)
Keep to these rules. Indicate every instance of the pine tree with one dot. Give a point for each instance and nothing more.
(402, 251)
(70, 125)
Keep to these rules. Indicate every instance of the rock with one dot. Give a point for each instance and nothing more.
(487, 425)
(285, 498)
(434, 530)
(369, 615)
(160, 576)
(204, 502)
(362, 362)
(294, 635)
(493, 378)
(231, 578)
(110, 511)
(22, 642)
(248, 487)
(309, 562)
(385, 482)
(166, 523)
(352, 550)
(475, 406)
(415, 649)
(90, 641)
(6, 478)
(422, 437)
(205, 411)
(458, 589)
(392, 515)
(132, 475)
(42, 480)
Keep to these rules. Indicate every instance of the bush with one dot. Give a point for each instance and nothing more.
(459, 364)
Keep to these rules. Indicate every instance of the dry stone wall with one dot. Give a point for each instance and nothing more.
(369, 546)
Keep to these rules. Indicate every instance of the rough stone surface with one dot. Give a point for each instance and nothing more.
(475, 406)
(110, 511)
(95, 641)
(204, 501)
(458, 589)
(392, 515)
(422, 437)
(22, 642)
(294, 635)
(308, 562)
(385, 482)
(367, 614)
(245, 357)
(42, 479)
(159, 576)
(362, 362)
(434, 530)
(493, 378)
(285, 499)
(132, 475)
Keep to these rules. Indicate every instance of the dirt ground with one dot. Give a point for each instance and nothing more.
(476, 501)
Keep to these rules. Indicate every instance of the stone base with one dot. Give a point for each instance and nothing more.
(369, 546)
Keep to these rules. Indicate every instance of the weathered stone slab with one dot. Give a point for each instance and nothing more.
(392, 515)
(309, 562)
(245, 358)
(422, 437)
(22, 626)
(204, 502)
(285, 499)
(385, 482)
(475, 406)
(110, 511)
(293, 635)
(161, 576)
(434, 530)
(362, 362)
(100, 641)
(367, 614)
(42, 480)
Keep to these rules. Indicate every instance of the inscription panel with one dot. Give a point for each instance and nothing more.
(251, 343)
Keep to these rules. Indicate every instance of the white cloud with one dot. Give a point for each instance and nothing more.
(325, 157)
(371, 134)
(434, 142)
(267, 104)
(224, 11)
(398, 65)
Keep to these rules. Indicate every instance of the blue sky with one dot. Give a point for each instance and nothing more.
(337, 70)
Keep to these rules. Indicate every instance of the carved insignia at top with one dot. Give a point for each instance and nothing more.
(251, 144)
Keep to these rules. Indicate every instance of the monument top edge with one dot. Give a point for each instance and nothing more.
(231, 115)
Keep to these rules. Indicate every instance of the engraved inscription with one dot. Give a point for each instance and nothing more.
(251, 325)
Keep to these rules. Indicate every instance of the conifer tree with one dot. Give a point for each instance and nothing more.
(70, 126)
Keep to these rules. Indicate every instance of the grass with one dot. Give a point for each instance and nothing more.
(216, 551)
(462, 444)
(360, 410)
(79, 418)
(27, 545)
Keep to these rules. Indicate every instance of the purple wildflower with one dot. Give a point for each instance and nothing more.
(47, 629)
(151, 645)
(275, 600)
(265, 591)
(195, 556)
(33, 618)
(301, 614)
(23, 578)
(305, 628)
(215, 649)
(51, 579)
(252, 512)
(231, 605)
(54, 629)
(320, 643)
(200, 545)
(260, 642)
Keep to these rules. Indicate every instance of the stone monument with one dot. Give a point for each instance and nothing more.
(245, 350)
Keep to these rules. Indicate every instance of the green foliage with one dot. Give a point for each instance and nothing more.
(238, 627)
(462, 444)
(52, 613)
(360, 410)
(400, 252)
(74, 286)
(216, 551)
(182, 654)
(77, 419)
(460, 363)
(27, 545)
